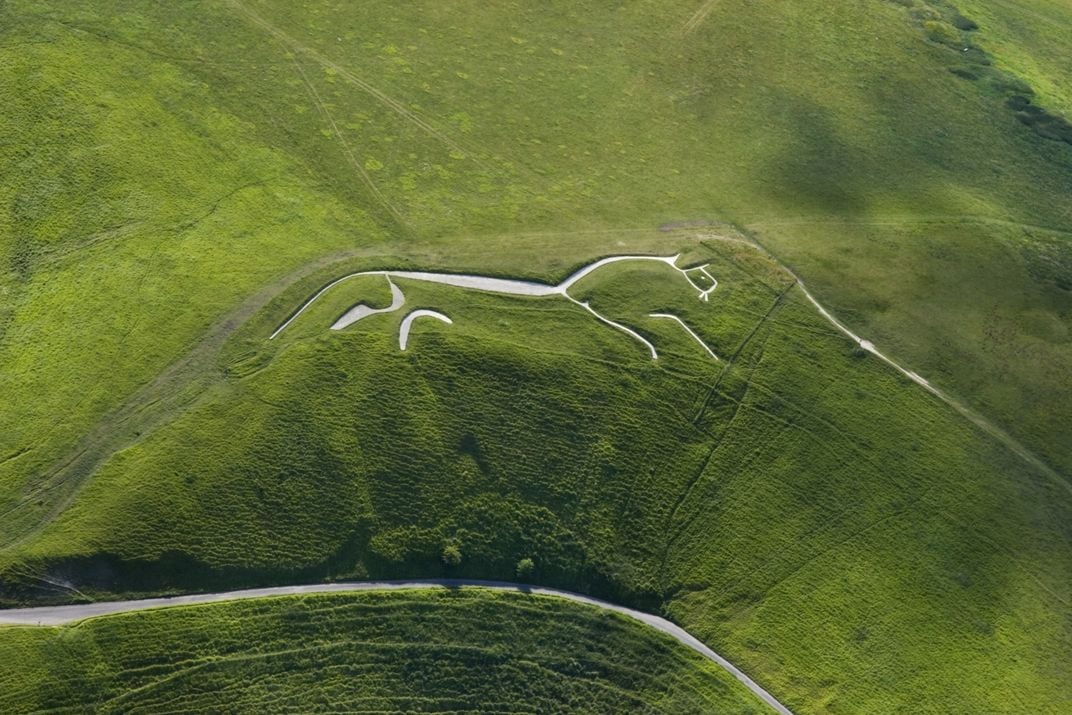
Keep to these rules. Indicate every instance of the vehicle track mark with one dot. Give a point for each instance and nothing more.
(698, 17)
(346, 149)
(379, 95)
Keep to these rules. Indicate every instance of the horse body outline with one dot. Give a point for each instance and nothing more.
(506, 286)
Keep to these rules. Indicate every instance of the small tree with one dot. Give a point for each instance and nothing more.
(525, 568)
(452, 555)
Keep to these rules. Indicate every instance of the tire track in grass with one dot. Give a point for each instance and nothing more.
(838, 518)
(862, 455)
(380, 96)
(698, 17)
(745, 465)
(675, 534)
(346, 150)
(737, 353)
(782, 579)
(715, 445)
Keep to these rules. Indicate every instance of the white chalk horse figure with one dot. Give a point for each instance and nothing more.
(508, 287)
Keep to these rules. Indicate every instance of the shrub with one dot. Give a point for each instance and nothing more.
(1018, 102)
(964, 23)
(525, 568)
(943, 33)
(452, 555)
(1005, 82)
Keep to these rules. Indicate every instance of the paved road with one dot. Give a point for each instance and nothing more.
(58, 615)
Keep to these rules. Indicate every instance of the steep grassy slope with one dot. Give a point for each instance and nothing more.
(426, 651)
(975, 291)
(178, 178)
(1030, 39)
(845, 537)
(136, 213)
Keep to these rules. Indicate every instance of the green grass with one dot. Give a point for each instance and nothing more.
(1004, 317)
(178, 178)
(469, 651)
(1031, 40)
(122, 215)
(730, 496)
(759, 115)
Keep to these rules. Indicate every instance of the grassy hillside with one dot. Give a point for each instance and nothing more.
(1031, 40)
(178, 178)
(197, 153)
(974, 292)
(729, 494)
(427, 651)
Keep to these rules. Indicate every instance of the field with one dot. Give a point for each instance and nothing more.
(417, 651)
(180, 178)
(725, 493)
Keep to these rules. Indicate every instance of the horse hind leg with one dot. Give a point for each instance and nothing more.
(362, 311)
